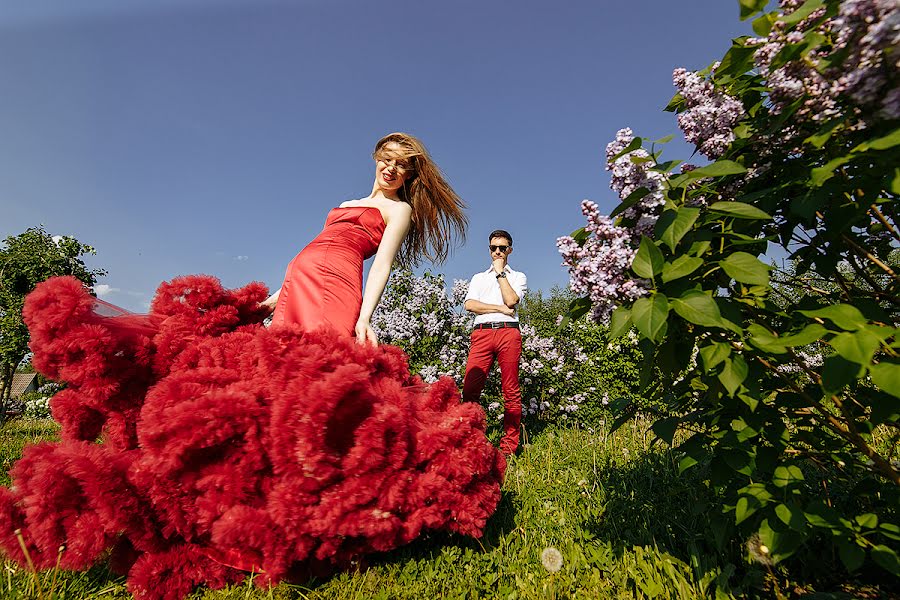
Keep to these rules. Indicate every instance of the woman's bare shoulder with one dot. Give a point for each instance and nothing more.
(397, 212)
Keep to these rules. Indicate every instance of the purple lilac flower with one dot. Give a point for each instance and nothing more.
(598, 269)
(711, 115)
(628, 176)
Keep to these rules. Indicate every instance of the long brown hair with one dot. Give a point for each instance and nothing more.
(437, 211)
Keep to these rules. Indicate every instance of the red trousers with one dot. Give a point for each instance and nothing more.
(504, 345)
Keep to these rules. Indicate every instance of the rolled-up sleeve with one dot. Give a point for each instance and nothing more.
(520, 285)
(473, 293)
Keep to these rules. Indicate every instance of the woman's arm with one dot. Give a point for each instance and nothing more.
(398, 221)
(271, 301)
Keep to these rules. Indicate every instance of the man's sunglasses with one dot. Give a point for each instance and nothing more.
(500, 248)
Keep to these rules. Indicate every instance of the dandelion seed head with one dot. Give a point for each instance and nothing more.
(552, 559)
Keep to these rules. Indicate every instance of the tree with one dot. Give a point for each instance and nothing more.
(26, 260)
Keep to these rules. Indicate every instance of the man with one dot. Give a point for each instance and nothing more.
(493, 297)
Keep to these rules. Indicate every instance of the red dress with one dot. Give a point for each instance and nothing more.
(323, 284)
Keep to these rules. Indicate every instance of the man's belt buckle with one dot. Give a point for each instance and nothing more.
(498, 325)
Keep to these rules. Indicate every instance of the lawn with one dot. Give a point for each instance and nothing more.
(626, 526)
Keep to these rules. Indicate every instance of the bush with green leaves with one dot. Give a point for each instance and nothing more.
(560, 380)
(801, 126)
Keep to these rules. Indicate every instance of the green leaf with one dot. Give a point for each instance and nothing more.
(634, 145)
(629, 201)
(680, 267)
(818, 514)
(809, 334)
(890, 530)
(580, 236)
(868, 520)
(736, 61)
(714, 354)
(686, 463)
(665, 429)
(673, 224)
(746, 268)
(845, 316)
(734, 373)
(895, 182)
(837, 373)
(858, 346)
(883, 143)
(698, 308)
(851, 555)
(739, 210)
(751, 7)
(578, 308)
(801, 13)
(763, 25)
(887, 377)
(720, 168)
(820, 175)
(650, 314)
(764, 339)
(620, 322)
(781, 544)
(649, 260)
(886, 559)
(788, 475)
(819, 139)
(665, 139)
(745, 507)
(791, 516)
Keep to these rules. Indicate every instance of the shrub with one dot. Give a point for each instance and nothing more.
(801, 124)
(560, 379)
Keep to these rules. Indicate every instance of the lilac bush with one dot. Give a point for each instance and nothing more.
(781, 384)
(417, 314)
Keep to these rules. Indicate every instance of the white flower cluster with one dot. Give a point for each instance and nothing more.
(630, 172)
(711, 115)
(598, 269)
(867, 31)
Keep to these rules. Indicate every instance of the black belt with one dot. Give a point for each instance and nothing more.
(498, 325)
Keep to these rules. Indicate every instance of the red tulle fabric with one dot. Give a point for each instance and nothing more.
(228, 447)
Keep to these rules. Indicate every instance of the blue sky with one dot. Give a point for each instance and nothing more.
(212, 136)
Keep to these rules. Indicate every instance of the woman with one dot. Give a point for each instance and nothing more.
(229, 447)
(411, 212)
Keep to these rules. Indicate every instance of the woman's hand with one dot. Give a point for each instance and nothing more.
(270, 302)
(365, 334)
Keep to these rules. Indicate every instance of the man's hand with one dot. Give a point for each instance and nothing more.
(498, 265)
(509, 312)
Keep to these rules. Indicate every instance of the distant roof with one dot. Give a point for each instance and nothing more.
(20, 383)
(106, 309)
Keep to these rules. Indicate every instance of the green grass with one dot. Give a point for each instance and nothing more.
(626, 524)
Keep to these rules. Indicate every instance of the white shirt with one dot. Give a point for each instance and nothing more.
(485, 287)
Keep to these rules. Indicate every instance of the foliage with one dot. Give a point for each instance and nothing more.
(567, 373)
(626, 524)
(36, 404)
(26, 260)
(802, 125)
